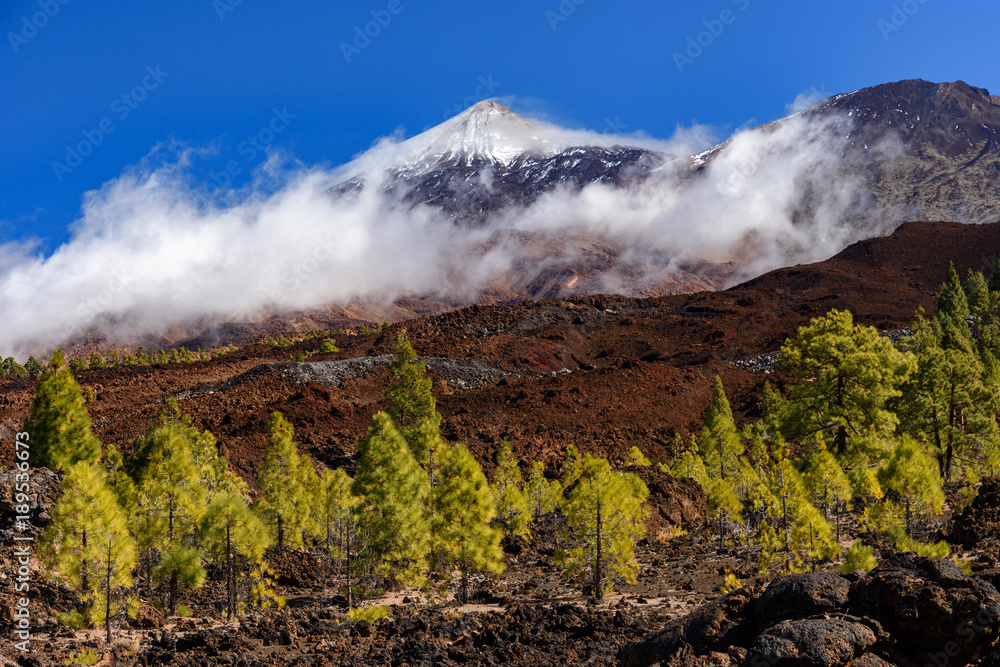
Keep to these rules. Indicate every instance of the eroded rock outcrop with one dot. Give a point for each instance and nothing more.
(910, 611)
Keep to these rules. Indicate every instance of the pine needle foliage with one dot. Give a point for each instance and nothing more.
(512, 510)
(462, 508)
(58, 422)
(239, 537)
(951, 299)
(543, 495)
(173, 497)
(392, 490)
(605, 515)
(913, 477)
(411, 402)
(849, 373)
(977, 293)
(89, 546)
(284, 481)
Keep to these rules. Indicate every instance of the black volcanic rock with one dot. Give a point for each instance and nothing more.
(470, 189)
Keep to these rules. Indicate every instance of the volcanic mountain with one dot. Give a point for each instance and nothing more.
(526, 210)
(489, 158)
(928, 151)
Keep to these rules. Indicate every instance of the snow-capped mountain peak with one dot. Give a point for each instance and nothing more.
(486, 133)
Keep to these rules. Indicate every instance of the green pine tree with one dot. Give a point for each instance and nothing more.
(392, 489)
(912, 475)
(828, 483)
(605, 515)
(87, 543)
(951, 399)
(172, 500)
(951, 299)
(849, 373)
(730, 476)
(411, 402)
(511, 503)
(283, 481)
(542, 494)
(240, 537)
(794, 526)
(462, 508)
(119, 480)
(572, 466)
(977, 293)
(338, 519)
(58, 422)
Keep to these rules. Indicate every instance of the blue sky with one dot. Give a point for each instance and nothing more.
(226, 77)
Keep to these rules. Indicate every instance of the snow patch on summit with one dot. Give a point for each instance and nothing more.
(487, 133)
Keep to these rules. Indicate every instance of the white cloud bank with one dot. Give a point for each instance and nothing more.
(148, 251)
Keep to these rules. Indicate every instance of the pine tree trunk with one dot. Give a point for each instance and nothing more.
(281, 533)
(465, 584)
(841, 430)
(937, 441)
(107, 590)
(230, 577)
(909, 532)
(84, 577)
(173, 594)
(350, 596)
(599, 565)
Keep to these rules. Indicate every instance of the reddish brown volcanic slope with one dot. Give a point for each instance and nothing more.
(641, 368)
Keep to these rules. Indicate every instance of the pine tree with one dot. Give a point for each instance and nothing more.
(284, 493)
(119, 480)
(58, 422)
(828, 484)
(635, 458)
(951, 398)
(911, 474)
(88, 543)
(804, 534)
(172, 500)
(426, 443)
(462, 509)
(411, 402)
(849, 373)
(392, 489)
(512, 509)
(229, 526)
(335, 507)
(572, 466)
(977, 293)
(543, 495)
(605, 514)
(951, 299)
(115, 549)
(730, 476)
